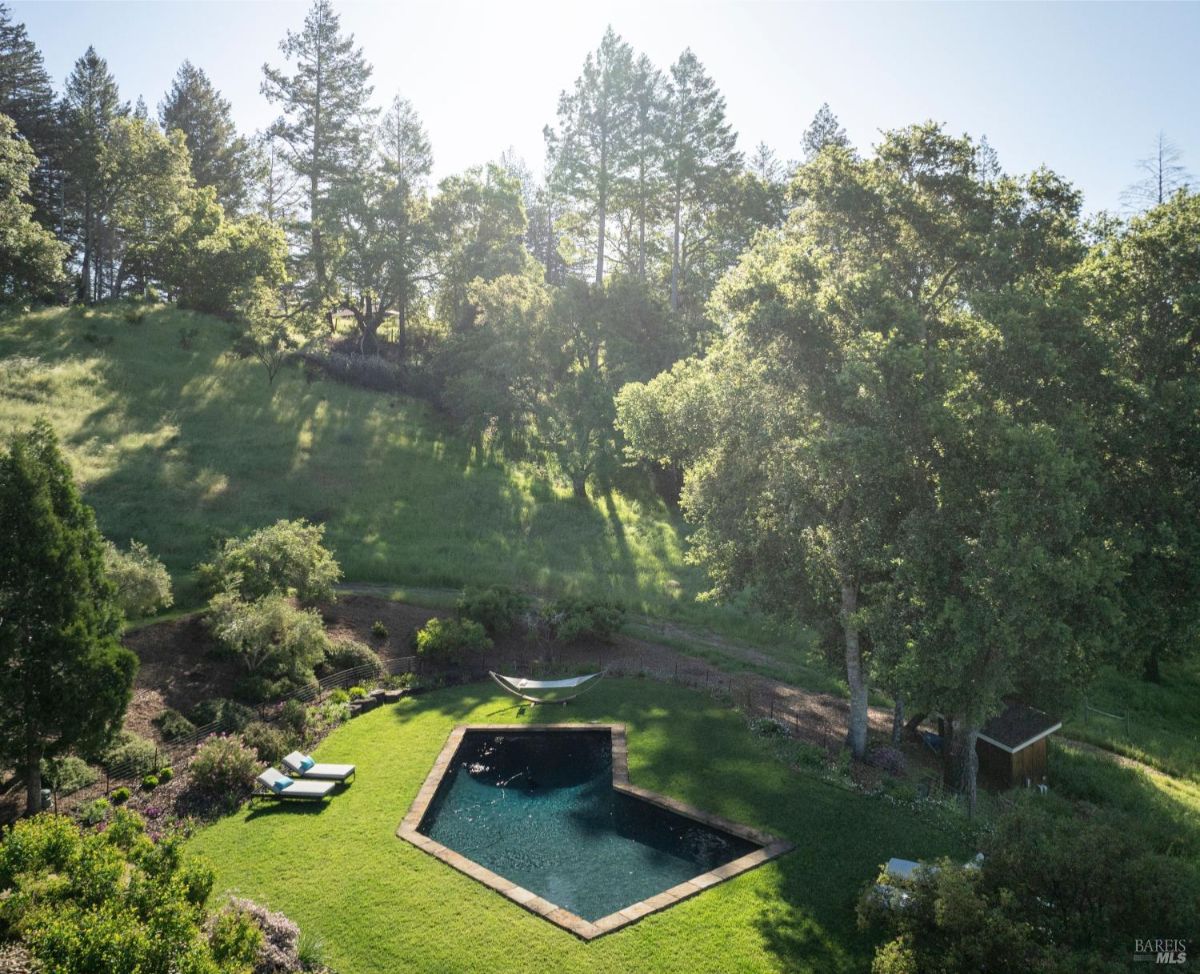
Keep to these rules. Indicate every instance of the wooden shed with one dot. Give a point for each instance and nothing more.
(1012, 747)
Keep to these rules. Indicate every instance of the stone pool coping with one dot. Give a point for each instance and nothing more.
(771, 847)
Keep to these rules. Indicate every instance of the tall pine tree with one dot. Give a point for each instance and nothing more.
(701, 156)
(220, 157)
(91, 104)
(590, 147)
(323, 126)
(27, 97)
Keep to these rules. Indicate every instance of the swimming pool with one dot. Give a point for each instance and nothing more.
(545, 814)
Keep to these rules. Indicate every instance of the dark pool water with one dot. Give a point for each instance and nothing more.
(539, 808)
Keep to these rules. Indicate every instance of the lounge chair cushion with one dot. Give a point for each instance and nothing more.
(306, 763)
(296, 762)
(274, 780)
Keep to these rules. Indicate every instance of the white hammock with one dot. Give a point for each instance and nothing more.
(517, 685)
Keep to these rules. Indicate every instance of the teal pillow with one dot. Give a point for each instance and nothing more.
(282, 783)
(306, 763)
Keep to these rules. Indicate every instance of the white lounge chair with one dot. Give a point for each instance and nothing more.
(305, 767)
(275, 784)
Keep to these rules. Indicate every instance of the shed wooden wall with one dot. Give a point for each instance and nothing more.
(1000, 769)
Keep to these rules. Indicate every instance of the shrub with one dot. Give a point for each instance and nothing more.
(346, 654)
(572, 619)
(287, 557)
(143, 584)
(94, 812)
(496, 608)
(767, 727)
(356, 693)
(368, 371)
(400, 681)
(69, 774)
(379, 630)
(119, 796)
(451, 638)
(339, 696)
(889, 760)
(104, 903)
(224, 766)
(165, 775)
(274, 640)
(150, 782)
(236, 940)
(173, 725)
(294, 716)
(269, 743)
(131, 754)
(280, 949)
(232, 715)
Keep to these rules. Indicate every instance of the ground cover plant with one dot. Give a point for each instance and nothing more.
(384, 904)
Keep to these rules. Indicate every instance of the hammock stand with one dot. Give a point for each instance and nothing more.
(517, 685)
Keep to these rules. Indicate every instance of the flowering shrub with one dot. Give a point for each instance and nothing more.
(224, 766)
(279, 952)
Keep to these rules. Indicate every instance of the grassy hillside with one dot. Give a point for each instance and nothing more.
(178, 447)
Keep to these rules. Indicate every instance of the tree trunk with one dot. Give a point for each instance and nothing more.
(33, 779)
(856, 735)
(579, 486)
(898, 721)
(1150, 669)
(675, 252)
(970, 767)
(602, 206)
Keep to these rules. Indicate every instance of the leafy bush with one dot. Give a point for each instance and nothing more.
(111, 901)
(173, 725)
(379, 630)
(94, 812)
(287, 557)
(143, 584)
(68, 774)
(767, 727)
(232, 715)
(356, 693)
(165, 775)
(573, 619)
(149, 782)
(269, 743)
(294, 717)
(400, 681)
(131, 754)
(451, 638)
(1056, 891)
(368, 371)
(224, 766)
(274, 640)
(236, 940)
(346, 654)
(889, 760)
(119, 796)
(339, 696)
(279, 952)
(496, 608)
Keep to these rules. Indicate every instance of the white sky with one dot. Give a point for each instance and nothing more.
(1083, 88)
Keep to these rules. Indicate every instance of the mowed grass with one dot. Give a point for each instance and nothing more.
(379, 904)
(179, 447)
(1163, 727)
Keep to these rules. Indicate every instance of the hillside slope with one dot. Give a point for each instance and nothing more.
(178, 447)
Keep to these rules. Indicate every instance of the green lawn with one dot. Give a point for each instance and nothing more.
(1163, 728)
(179, 447)
(379, 904)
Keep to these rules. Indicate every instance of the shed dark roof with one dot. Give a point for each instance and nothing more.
(1018, 727)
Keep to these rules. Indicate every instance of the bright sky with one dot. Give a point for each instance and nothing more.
(1082, 88)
